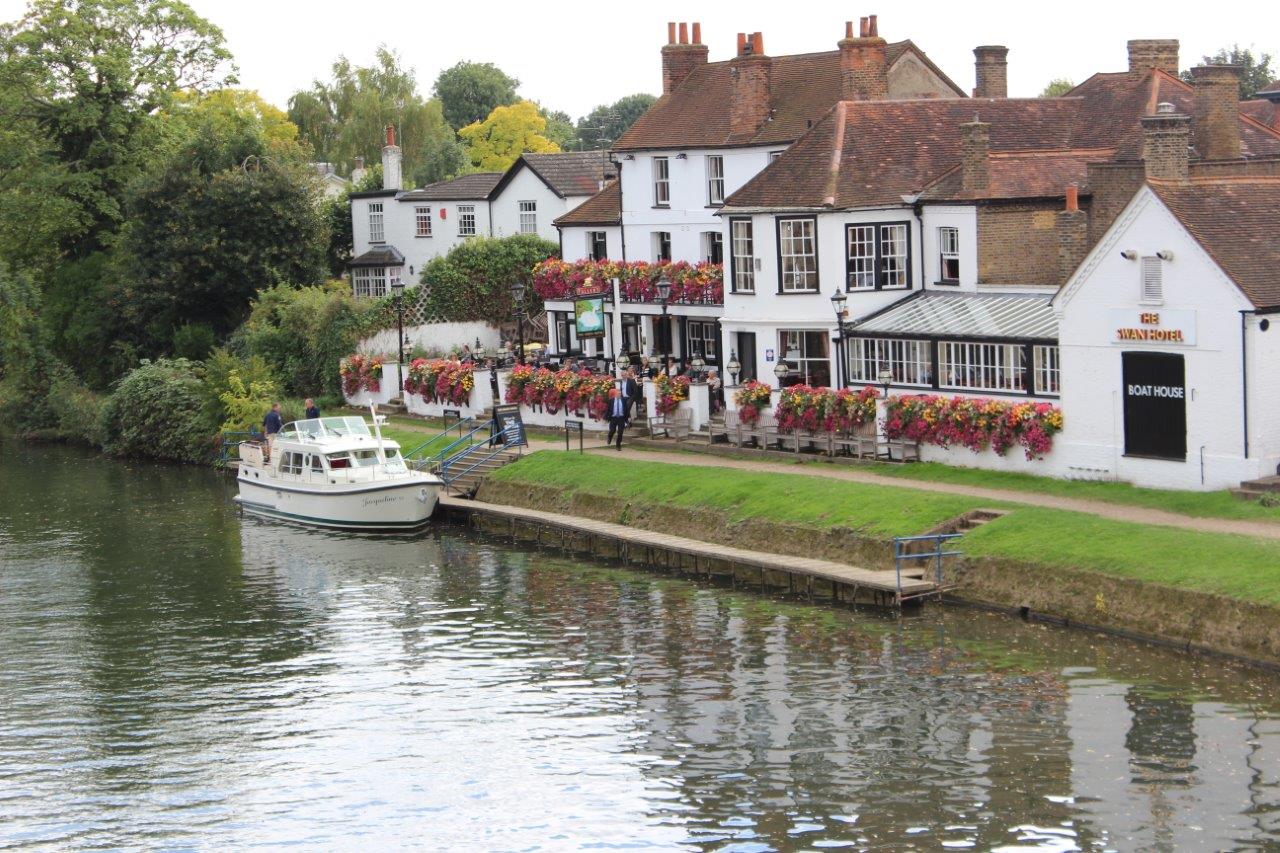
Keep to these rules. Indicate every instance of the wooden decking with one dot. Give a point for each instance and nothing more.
(629, 540)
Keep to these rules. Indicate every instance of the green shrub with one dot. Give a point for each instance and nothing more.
(216, 381)
(26, 362)
(77, 409)
(155, 411)
(473, 281)
(194, 341)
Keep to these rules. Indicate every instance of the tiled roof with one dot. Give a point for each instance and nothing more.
(1272, 88)
(476, 186)
(385, 255)
(966, 315)
(1265, 112)
(1116, 103)
(572, 172)
(891, 148)
(1236, 221)
(697, 114)
(1033, 174)
(603, 208)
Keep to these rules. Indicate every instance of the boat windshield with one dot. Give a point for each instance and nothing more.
(328, 427)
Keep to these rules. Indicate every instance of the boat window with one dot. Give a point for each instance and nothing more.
(291, 463)
(344, 426)
(316, 464)
(339, 460)
(364, 458)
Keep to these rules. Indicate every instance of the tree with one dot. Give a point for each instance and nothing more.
(473, 281)
(1057, 88)
(89, 77)
(1255, 71)
(227, 215)
(560, 129)
(601, 127)
(25, 361)
(495, 143)
(346, 117)
(470, 91)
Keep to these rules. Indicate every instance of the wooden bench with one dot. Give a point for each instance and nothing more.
(727, 428)
(675, 425)
(908, 451)
(797, 440)
(763, 432)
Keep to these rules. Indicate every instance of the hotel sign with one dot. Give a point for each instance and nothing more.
(1153, 326)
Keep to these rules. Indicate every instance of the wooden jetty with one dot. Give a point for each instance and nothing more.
(799, 575)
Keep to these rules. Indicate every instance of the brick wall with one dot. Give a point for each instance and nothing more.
(750, 105)
(1112, 185)
(1217, 111)
(1018, 243)
(991, 71)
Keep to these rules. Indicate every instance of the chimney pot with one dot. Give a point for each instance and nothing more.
(671, 32)
(1217, 111)
(1072, 226)
(864, 71)
(679, 58)
(742, 43)
(848, 29)
(872, 30)
(684, 33)
(1073, 197)
(757, 43)
(863, 30)
(697, 32)
(392, 160)
(391, 134)
(752, 73)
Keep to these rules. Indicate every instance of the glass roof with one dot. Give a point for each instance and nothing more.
(964, 315)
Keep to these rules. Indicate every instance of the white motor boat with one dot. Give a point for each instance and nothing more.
(334, 472)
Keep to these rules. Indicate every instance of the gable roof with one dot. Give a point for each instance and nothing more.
(802, 88)
(571, 172)
(869, 153)
(1236, 221)
(474, 187)
(603, 208)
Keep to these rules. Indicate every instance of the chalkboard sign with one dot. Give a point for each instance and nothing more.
(509, 416)
(1155, 405)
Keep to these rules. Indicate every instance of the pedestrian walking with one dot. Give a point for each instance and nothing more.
(619, 416)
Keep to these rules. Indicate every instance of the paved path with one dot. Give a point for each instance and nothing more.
(1119, 512)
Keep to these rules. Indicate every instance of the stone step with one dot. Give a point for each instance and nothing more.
(1261, 485)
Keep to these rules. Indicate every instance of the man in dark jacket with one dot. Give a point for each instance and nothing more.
(313, 411)
(619, 414)
(272, 423)
(631, 388)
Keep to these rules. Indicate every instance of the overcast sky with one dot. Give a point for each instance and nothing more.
(572, 55)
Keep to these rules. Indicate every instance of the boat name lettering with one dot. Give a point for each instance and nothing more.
(385, 499)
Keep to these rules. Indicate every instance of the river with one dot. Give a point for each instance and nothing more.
(175, 676)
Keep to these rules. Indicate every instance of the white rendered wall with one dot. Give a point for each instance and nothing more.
(575, 245)
(965, 220)
(400, 229)
(440, 336)
(1092, 442)
(527, 186)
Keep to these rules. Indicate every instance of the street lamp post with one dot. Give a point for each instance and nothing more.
(838, 301)
(664, 293)
(517, 296)
(733, 366)
(398, 291)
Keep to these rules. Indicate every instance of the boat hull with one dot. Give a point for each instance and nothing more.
(402, 505)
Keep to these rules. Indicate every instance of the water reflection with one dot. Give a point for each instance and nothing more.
(175, 675)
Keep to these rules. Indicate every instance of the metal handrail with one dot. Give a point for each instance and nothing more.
(435, 438)
(442, 456)
(507, 433)
(936, 554)
(224, 453)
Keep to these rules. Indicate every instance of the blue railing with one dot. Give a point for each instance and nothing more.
(233, 439)
(936, 540)
(419, 453)
(501, 441)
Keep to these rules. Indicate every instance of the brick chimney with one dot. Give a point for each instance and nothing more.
(1072, 226)
(391, 160)
(751, 71)
(1145, 54)
(975, 143)
(991, 62)
(680, 58)
(1217, 111)
(864, 72)
(1165, 137)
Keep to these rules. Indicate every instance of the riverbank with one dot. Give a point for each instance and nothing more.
(1207, 591)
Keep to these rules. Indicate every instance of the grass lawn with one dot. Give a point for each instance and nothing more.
(793, 498)
(1201, 504)
(1237, 566)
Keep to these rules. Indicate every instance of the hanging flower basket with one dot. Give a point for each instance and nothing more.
(360, 373)
(977, 423)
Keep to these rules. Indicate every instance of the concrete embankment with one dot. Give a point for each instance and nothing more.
(1178, 617)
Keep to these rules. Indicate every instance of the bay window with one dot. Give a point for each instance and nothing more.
(798, 255)
(373, 282)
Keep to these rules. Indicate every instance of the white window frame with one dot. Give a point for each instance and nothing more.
(661, 182)
(1047, 368)
(948, 250)
(976, 366)
(774, 155)
(422, 221)
(657, 247)
(377, 226)
(466, 220)
(908, 360)
(591, 244)
(803, 358)
(373, 282)
(798, 255)
(528, 217)
(715, 180)
(742, 246)
(702, 338)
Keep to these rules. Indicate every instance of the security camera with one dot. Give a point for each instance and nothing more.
(1165, 255)
(1129, 254)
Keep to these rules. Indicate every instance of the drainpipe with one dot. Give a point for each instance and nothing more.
(1244, 380)
(622, 228)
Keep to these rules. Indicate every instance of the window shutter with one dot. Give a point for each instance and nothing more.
(1152, 281)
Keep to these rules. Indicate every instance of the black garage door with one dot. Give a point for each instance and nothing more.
(1155, 405)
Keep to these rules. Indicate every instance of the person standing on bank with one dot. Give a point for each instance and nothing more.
(619, 411)
(313, 411)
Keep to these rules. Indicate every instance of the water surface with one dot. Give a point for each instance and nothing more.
(175, 676)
